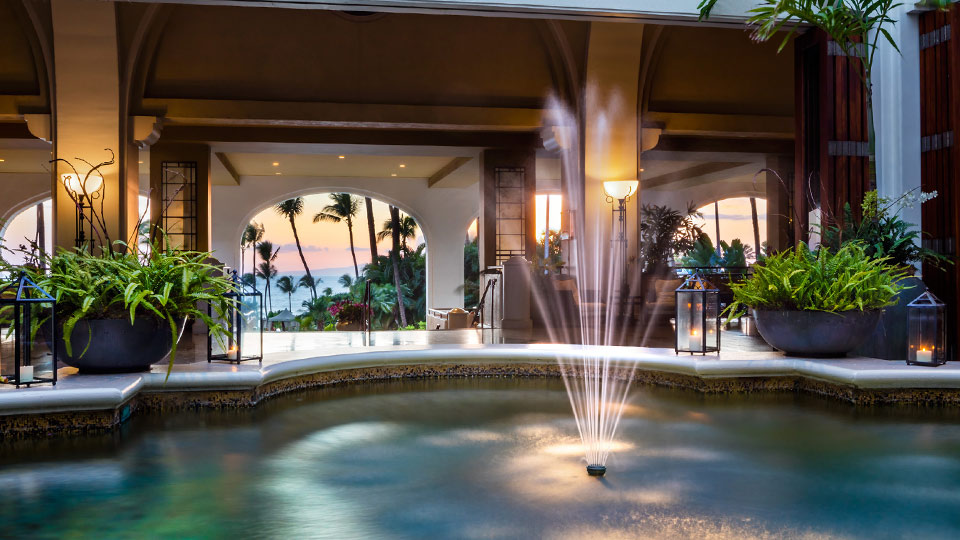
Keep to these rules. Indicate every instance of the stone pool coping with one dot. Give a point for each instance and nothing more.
(104, 401)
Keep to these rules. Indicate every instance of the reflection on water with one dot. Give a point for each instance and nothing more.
(494, 458)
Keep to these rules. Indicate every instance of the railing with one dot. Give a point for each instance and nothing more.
(492, 284)
(367, 315)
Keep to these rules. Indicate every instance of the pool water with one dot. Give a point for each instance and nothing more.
(495, 458)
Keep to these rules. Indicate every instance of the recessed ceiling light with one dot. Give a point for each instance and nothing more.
(341, 157)
(2, 160)
(402, 165)
(140, 162)
(278, 174)
(276, 163)
(393, 174)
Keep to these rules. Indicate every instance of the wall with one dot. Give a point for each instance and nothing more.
(442, 213)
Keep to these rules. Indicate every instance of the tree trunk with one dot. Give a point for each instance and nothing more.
(372, 229)
(353, 252)
(41, 234)
(716, 219)
(395, 259)
(296, 237)
(756, 226)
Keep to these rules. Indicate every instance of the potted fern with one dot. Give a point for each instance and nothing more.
(122, 311)
(822, 303)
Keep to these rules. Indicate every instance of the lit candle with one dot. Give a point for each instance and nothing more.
(696, 344)
(232, 354)
(924, 356)
(26, 374)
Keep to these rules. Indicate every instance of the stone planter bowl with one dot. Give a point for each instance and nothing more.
(815, 333)
(115, 346)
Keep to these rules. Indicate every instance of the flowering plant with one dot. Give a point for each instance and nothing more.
(349, 312)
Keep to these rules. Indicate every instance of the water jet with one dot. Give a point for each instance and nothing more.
(596, 470)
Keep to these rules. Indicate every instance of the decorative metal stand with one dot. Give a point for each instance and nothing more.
(27, 320)
(244, 317)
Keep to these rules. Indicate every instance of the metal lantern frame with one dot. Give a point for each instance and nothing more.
(926, 328)
(23, 296)
(697, 288)
(235, 323)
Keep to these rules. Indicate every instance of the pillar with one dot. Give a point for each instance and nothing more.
(87, 115)
(612, 139)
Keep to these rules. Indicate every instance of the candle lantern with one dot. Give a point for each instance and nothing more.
(27, 323)
(927, 339)
(243, 322)
(697, 317)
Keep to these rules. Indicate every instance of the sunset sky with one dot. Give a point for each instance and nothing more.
(325, 245)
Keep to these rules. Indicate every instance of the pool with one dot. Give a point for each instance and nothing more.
(495, 458)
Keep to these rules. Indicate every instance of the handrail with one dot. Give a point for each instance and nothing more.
(367, 314)
(483, 298)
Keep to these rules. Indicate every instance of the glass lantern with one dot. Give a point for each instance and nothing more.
(927, 337)
(697, 317)
(28, 349)
(243, 322)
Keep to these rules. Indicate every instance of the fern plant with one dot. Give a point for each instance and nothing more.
(826, 280)
(163, 284)
(703, 254)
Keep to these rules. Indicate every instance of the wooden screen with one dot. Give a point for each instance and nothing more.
(939, 99)
(832, 163)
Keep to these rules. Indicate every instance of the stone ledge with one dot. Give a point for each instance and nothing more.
(94, 403)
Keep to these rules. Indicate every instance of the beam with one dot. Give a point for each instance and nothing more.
(397, 137)
(734, 145)
(225, 161)
(694, 171)
(445, 171)
(211, 112)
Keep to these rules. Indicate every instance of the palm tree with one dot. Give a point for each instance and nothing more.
(395, 260)
(372, 229)
(346, 281)
(328, 292)
(309, 282)
(290, 209)
(249, 280)
(344, 208)
(267, 270)
(252, 234)
(408, 230)
(286, 285)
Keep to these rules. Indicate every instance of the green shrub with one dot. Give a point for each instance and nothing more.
(799, 279)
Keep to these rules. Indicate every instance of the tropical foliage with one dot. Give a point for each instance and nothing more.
(346, 311)
(826, 280)
(704, 255)
(666, 233)
(471, 274)
(882, 232)
(553, 261)
(344, 208)
(164, 284)
(291, 209)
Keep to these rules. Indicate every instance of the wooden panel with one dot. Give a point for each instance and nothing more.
(940, 96)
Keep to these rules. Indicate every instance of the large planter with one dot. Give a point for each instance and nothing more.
(115, 346)
(815, 333)
(345, 326)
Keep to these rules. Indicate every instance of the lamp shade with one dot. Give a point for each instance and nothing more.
(620, 189)
(76, 185)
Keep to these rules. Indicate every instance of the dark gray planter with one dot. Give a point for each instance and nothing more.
(889, 338)
(815, 333)
(115, 346)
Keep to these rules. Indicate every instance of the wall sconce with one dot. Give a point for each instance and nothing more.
(927, 336)
(83, 191)
(620, 190)
(698, 317)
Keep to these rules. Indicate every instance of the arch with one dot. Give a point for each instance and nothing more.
(12, 211)
(736, 194)
(352, 190)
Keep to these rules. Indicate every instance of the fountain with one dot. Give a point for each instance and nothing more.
(597, 388)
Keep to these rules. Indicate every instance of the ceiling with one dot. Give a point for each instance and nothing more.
(339, 165)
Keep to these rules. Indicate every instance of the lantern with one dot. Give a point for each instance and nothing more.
(698, 317)
(27, 324)
(927, 338)
(243, 321)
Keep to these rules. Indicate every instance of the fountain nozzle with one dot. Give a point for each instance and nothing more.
(596, 470)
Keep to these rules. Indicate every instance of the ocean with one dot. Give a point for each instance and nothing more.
(301, 294)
